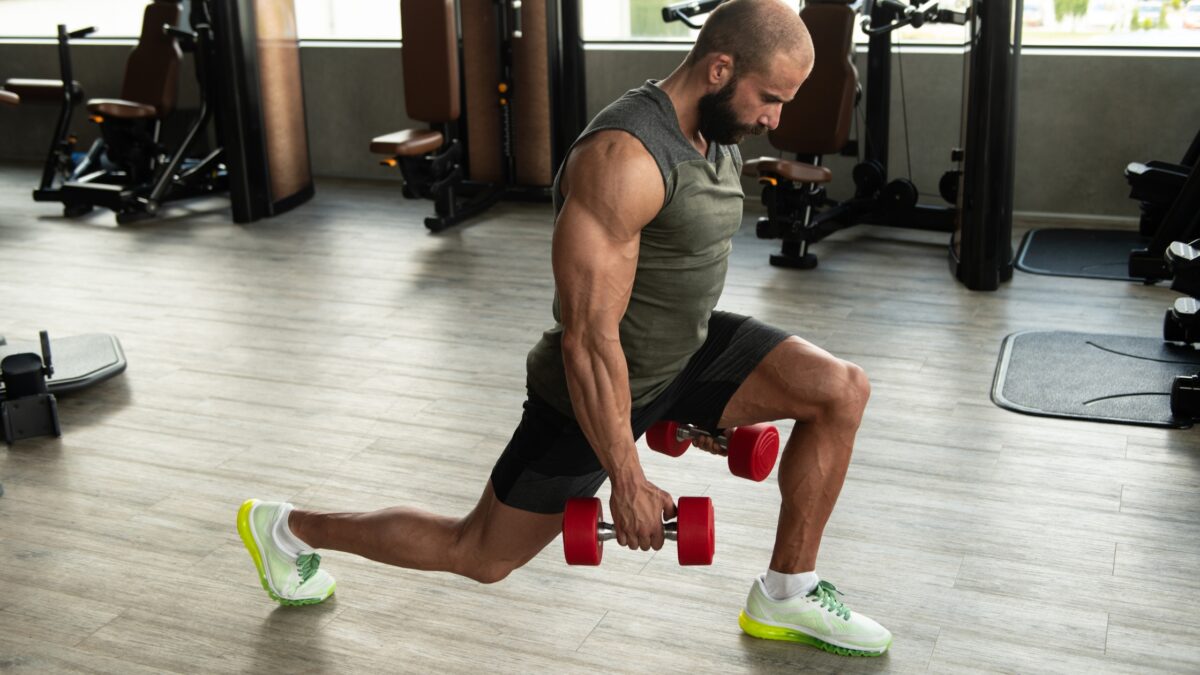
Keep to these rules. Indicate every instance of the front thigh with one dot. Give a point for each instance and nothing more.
(792, 382)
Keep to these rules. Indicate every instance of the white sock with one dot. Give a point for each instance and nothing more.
(284, 539)
(782, 586)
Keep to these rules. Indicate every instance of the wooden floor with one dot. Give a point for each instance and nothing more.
(342, 358)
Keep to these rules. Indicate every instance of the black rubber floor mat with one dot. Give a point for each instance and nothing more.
(1104, 378)
(1096, 254)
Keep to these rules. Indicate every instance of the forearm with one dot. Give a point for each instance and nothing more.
(598, 381)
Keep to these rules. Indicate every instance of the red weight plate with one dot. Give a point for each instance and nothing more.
(581, 541)
(697, 536)
(753, 450)
(662, 437)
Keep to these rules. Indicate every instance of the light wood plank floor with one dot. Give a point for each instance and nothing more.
(342, 358)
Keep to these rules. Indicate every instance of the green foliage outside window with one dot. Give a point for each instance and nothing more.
(1065, 8)
(645, 19)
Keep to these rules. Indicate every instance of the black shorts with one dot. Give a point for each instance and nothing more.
(549, 460)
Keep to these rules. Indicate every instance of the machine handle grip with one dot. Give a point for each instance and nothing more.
(81, 33)
(47, 365)
(185, 35)
(896, 6)
(516, 11)
(681, 11)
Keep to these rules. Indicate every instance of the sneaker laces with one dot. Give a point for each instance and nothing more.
(307, 565)
(825, 592)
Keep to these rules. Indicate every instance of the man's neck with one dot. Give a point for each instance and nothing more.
(685, 96)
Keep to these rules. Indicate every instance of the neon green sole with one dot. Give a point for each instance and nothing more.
(761, 630)
(243, 526)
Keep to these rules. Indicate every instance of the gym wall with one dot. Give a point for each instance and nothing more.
(1080, 120)
(1081, 116)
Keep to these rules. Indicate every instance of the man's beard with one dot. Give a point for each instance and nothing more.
(719, 122)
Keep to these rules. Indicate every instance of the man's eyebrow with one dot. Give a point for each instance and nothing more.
(772, 98)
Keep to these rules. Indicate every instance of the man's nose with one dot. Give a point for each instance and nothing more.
(770, 119)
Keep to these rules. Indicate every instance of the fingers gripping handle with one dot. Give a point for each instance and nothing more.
(687, 432)
(674, 438)
(608, 532)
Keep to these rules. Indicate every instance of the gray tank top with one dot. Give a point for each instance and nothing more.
(682, 258)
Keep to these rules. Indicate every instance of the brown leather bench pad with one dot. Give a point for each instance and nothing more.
(408, 143)
(797, 172)
(46, 91)
(120, 109)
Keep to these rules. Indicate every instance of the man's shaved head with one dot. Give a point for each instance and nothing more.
(753, 32)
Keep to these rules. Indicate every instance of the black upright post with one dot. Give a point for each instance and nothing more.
(568, 79)
(986, 237)
(236, 114)
(879, 87)
(554, 58)
(59, 144)
(506, 95)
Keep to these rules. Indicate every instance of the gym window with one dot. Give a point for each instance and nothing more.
(40, 18)
(341, 20)
(1112, 23)
(315, 19)
(624, 20)
(1073, 23)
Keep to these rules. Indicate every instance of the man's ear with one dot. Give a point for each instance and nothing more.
(720, 70)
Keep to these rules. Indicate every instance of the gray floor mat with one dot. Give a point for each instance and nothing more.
(1095, 254)
(1105, 378)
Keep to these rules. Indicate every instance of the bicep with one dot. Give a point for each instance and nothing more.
(594, 267)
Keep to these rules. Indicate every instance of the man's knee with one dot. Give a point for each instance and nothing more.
(476, 557)
(491, 572)
(858, 387)
(844, 391)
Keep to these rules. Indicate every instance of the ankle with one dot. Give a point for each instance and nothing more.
(289, 532)
(295, 523)
(782, 586)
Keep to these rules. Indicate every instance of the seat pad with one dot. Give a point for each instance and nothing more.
(798, 172)
(27, 89)
(407, 143)
(121, 109)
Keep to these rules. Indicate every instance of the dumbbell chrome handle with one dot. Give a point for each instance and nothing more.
(607, 532)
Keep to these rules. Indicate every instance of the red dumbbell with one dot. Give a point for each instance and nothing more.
(584, 533)
(752, 450)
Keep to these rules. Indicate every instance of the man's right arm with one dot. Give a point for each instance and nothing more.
(612, 188)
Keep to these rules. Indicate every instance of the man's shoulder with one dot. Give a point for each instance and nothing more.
(616, 144)
(643, 115)
(612, 164)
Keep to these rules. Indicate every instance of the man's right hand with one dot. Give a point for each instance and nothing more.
(639, 509)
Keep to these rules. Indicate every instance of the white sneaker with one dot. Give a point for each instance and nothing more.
(288, 579)
(816, 619)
